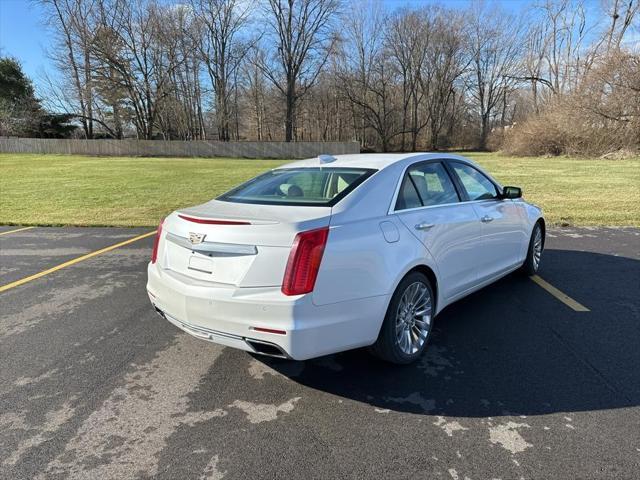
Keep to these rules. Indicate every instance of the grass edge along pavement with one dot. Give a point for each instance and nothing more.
(72, 190)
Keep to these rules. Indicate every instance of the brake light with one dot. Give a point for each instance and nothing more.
(211, 221)
(156, 242)
(304, 261)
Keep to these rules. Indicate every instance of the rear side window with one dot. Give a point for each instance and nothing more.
(408, 196)
(314, 186)
(426, 185)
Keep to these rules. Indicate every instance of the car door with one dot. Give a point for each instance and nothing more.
(429, 205)
(501, 219)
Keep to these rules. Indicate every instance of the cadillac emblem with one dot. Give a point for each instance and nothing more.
(196, 238)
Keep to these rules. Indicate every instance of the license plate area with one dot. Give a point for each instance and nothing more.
(200, 263)
(226, 269)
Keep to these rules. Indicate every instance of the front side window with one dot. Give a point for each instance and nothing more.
(426, 185)
(314, 186)
(477, 185)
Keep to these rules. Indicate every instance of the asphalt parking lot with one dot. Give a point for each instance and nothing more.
(516, 383)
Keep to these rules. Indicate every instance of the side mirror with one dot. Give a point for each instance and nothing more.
(511, 192)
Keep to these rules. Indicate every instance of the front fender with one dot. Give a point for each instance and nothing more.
(533, 213)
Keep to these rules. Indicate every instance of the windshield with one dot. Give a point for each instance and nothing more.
(315, 186)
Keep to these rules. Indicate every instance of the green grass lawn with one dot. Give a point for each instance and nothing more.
(121, 191)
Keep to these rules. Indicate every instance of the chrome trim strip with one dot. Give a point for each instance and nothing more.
(470, 202)
(199, 270)
(212, 247)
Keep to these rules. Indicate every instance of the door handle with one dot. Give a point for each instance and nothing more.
(424, 226)
(486, 219)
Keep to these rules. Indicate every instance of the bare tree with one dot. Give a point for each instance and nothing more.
(256, 92)
(534, 58)
(138, 48)
(446, 61)
(495, 48)
(70, 19)
(367, 77)
(622, 14)
(407, 40)
(566, 57)
(303, 38)
(180, 112)
(219, 25)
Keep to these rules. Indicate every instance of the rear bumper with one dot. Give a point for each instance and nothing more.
(228, 315)
(235, 341)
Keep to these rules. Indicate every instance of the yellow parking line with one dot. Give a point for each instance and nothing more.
(73, 261)
(563, 297)
(16, 230)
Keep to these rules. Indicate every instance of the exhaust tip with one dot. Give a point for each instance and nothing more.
(266, 348)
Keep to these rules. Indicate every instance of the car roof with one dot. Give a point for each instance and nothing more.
(378, 161)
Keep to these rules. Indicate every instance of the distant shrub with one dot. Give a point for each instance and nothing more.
(544, 134)
(599, 117)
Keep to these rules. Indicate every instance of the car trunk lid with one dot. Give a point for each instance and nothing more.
(237, 244)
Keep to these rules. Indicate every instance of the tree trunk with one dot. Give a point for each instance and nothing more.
(222, 113)
(290, 112)
(433, 141)
(88, 90)
(414, 124)
(384, 143)
(484, 132)
(117, 123)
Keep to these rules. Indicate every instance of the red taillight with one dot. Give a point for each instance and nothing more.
(304, 261)
(211, 221)
(156, 242)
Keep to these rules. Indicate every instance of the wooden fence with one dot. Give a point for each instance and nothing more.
(160, 148)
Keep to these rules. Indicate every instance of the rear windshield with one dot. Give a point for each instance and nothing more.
(315, 186)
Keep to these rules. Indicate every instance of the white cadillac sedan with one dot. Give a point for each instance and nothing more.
(334, 253)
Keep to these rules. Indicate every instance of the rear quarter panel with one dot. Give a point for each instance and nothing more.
(359, 262)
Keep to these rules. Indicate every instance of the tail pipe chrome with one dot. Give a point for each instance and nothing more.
(266, 348)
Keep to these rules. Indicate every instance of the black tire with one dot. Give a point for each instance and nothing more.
(387, 347)
(530, 265)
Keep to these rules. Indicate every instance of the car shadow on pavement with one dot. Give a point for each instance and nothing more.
(510, 349)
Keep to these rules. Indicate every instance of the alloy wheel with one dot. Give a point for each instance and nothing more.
(413, 318)
(537, 248)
